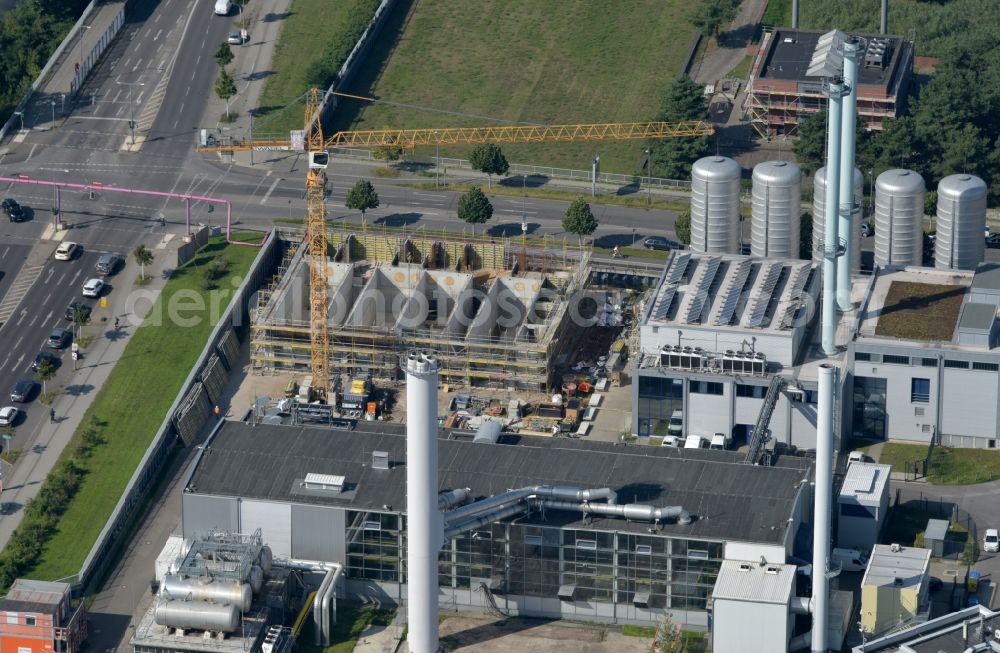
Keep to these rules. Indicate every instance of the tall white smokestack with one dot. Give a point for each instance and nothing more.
(848, 140)
(425, 525)
(795, 14)
(883, 26)
(831, 245)
(821, 510)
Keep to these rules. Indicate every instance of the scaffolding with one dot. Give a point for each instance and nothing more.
(494, 312)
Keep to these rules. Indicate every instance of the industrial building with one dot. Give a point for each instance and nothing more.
(971, 630)
(38, 616)
(863, 504)
(339, 495)
(498, 315)
(788, 70)
(894, 590)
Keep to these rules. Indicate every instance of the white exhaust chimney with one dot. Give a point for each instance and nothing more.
(883, 26)
(831, 245)
(848, 141)
(425, 526)
(795, 14)
(823, 505)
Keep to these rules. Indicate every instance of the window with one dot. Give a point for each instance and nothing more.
(755, 391)
(643, 549)
(985, 367)
(895, 360)
(533, 540)
(12, 618)
(869, 407)
(697, 554)
(29, 621)
(959, 365)
(589, 545)
(373, 526)
(705, 387)
(928, 362)
(862, 356)
(812, 396)
(926, 428)
(920, 391)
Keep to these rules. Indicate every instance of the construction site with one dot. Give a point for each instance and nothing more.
(499, 313)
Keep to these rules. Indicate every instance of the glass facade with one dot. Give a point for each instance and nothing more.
(536, 561)
(869, 407)
(658, 397)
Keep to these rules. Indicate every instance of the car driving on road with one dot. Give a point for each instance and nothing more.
(991, 540)
(45, 356)
(13, 210)
(109, 263)
(8, 415)
(22, 390)
(59, 338)
(93, 287)
(66, 251)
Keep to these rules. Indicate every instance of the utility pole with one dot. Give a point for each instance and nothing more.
(437, 161)
(649, 177)
(131, 107)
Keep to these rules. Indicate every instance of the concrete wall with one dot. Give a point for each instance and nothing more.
(201, 513)
(777, 347)
(969, 406)
(746, 627)
(709, 414)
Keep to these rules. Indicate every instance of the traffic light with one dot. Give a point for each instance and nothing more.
(131, 124)
(211, 208)
(55, 211)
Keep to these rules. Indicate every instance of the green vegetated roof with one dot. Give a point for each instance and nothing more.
(920, 311)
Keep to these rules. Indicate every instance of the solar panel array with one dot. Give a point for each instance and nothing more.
(763, 297)
(678, 268)
(733, 293)
(798, 285)
(697, 304)
(696, 307)
(663, 305)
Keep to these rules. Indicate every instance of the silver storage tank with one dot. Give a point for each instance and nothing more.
(961, 222)
(207, 589)
(197, 615)
(777, 209)
(819, 215)
(266, 559)
(715, 205)
(899, 217)
(256, 578)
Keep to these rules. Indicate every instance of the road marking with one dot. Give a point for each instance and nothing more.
(47, 298)
(24, 313)
(18, 289)
(32, 151)
(5, 250)
(269, 191)
(76, 276)
(138, 100)
(158, 34)
(197, 61)
(165, 241)
(47, 318)
(18, 343)
(18, 363)
(127, 62)
(136, 66)
(100, 118)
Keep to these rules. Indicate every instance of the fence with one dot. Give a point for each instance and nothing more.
(182, 417)
(942, 508)
(95, 52)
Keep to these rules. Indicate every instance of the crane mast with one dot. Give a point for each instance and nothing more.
(319, 330)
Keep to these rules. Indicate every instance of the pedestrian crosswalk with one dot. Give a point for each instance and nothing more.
(18, 289)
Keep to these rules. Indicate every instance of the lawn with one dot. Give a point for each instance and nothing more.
(920, 311)
(132, 404)
(898, 454)
(311, 27)
(907, 523)
(351, 622)
(952, 466)
(777, 14)
(533, 61)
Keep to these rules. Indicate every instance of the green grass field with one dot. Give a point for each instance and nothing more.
(535, 61)
(312, 25)
(133, 402)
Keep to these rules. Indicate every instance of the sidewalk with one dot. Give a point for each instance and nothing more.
(32, 468)
(41, 113)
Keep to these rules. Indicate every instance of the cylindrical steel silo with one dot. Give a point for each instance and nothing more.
(208, 589)
(899, 216)
(961, 222)
(819, 217)
(777, 209)
(715, 205)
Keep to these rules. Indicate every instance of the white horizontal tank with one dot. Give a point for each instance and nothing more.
(715, 205)
(777, 209)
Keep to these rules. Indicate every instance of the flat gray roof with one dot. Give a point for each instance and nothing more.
(732, 501)
(740, 580)
(865, 482)
(987, 277)
(941, 635)
(903, 568)
(976, 316)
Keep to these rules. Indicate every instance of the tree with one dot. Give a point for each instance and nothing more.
(474, 207)
(143, 257)
(682, 228)
(46, 371)
(810, 148)
(362, 197)
(388, 153)
(806, 236)
(81, 316)
(713, 17)
(579, 219)
(225, 88)
(489, 158)
(683, 99)
(224, 55)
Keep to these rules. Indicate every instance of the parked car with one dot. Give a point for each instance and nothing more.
(676, 425)
(45, 356)
(222, 7)
(867, 230)
(993, 242)
(66, 251)
(22, 390)
(671, 441)
(237, 38)
(13, 210)
(93, 287)
(658, 242)
(991, 540)
(850, 559)
(695, 442)
(720, 441)
(8, 415)
(74, 307)
(109, 263)
(59, 338)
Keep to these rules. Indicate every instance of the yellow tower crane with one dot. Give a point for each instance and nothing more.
(317, 149)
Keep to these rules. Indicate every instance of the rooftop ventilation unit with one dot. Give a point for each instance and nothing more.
(380, 460)
(327, 482)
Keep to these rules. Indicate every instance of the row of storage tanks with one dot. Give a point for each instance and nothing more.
(777, 209)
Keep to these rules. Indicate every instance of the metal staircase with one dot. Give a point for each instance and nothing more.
(761, 433)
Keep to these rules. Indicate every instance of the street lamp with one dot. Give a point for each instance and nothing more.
(131, 107)
(437, 159)
(649, 176)
(79, 62)
(20, 114)
(871, 192)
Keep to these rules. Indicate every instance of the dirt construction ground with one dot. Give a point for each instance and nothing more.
(486, 635)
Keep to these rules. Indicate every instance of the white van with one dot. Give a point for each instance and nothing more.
(671, 441)
(695, 442)
(720, 441)
(676, 425)
(850, 559)
(222, 7)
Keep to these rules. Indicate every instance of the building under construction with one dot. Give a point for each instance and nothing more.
(497, 313)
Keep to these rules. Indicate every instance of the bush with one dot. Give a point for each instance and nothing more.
(323, 73)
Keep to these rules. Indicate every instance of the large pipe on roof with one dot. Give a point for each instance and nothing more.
(883, 25)
(847, 209)
(425, 529)
(800, 605)
(800, 643)
(637, 511)
(548, 491)
(831, 242)
(822, 507)
(453, 498)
